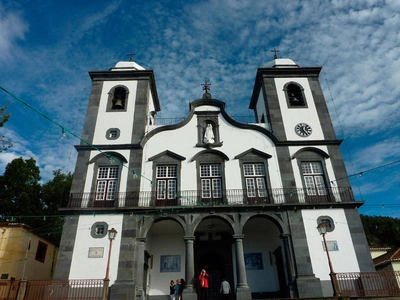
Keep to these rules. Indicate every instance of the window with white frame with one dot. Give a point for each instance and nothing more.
(211, 181)
(166, 178)
(314, 180)
(107, 178)
(254, 175)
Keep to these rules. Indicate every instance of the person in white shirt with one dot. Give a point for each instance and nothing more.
(225, 290)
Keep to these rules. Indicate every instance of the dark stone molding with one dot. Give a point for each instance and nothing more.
(107, 147)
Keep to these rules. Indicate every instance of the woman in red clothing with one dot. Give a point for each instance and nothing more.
(203, 284)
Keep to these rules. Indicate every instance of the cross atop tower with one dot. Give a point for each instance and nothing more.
(130, 54)
(275, 50)
(206, 86)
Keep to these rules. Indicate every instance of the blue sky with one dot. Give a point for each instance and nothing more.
(47, 48)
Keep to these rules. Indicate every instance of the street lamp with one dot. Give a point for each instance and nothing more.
(322, 230)
(111, 236)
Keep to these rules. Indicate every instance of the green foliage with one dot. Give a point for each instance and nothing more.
(55, 194)
(4, 117)
(23, 199)
(20, 188)
(382, 231)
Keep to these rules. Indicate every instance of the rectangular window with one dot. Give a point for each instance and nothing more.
(314, 178)
(99, 230)
(211, 181)
(166, 177)
(41, 252)
(255, 180)
(107, 178)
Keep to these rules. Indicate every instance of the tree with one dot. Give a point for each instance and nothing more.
(23, 199)
(55, 194)
(382, 231)
(4, 145)
(20, 189)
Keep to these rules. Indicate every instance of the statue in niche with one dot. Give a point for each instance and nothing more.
(209, 135)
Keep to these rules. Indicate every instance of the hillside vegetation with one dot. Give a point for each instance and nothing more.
(382, 231)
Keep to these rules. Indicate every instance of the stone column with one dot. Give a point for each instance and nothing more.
(189, 262)
(242, 289)
(291, 273)
(141, 246)
(189, 291)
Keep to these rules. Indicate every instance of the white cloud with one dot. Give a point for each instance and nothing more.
(13, 29)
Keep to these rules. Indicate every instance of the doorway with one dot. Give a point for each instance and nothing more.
(216, 258)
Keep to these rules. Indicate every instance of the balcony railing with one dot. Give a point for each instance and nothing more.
(360, 284)
(196, 198)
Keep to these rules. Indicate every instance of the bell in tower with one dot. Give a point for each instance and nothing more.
(118, 101)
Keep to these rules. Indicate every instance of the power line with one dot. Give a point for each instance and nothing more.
(64, 130)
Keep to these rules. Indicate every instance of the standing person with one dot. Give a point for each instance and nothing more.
(182, 286)
(225, 290)
(203, 284)
(177, 289)
(172, 290)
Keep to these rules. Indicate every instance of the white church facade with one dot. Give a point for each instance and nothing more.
(241, 200)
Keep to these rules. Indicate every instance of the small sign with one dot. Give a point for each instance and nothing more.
(332, 246)
(96, 252)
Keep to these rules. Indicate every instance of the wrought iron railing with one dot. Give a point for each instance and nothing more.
(9, 289)
(82, 289)
(196, 198)
(354, 284)
(76, 289)
(381, 283)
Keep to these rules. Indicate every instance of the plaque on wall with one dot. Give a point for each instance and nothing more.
(253, 261)
(170, 263)
(96, 252)
(332, 245)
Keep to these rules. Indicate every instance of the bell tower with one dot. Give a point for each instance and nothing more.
(123, 101)
(289, 99)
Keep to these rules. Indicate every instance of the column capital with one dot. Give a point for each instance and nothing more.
(142, 240)
(189, 238)
(238, 236)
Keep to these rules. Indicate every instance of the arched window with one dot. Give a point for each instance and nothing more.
(294, 95)
(107, 172)
(311, 162)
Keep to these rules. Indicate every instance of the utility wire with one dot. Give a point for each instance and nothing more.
(64, 130)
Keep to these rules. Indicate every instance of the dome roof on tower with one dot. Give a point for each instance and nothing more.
(127, 65)
(281, 63)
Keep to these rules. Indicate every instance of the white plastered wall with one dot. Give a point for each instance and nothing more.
(182, 141)
(83, 267)
(343, 260)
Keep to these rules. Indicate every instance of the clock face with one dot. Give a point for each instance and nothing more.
(303, 129)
